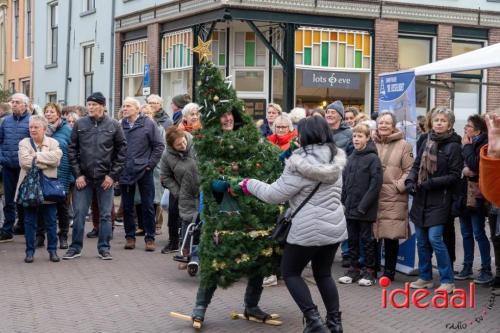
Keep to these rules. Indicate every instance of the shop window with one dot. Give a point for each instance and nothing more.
(468, 88)
(250, 81)
(332, 48)
(218, 48)
(332, 64)
(414, 52)
(176, 64)
(134, 59)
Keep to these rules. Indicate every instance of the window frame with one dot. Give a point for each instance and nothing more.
(15, 29)
(88, 7)
(88, 69)
(53, 30)
(431, 92)
(48, 96)
(28, 28)
(22, 85)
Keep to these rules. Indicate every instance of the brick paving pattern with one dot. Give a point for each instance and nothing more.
(136, 291)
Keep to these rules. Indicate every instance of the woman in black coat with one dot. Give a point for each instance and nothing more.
(473, 217)
(437, 168)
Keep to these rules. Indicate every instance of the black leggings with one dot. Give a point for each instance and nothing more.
(295, 258)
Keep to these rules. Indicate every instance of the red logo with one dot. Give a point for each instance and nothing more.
(420, 297)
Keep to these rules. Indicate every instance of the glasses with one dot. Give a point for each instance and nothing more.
(281, 127)
(468, 126)
(153, 103)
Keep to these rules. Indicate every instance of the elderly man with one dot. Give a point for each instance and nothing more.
(145, 147)
(14, 128)
(97, 154)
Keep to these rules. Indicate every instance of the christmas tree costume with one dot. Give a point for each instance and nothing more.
(235, 235)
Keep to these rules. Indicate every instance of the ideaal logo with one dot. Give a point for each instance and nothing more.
(460, 299)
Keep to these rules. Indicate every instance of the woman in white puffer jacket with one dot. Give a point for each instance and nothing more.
(319, 227)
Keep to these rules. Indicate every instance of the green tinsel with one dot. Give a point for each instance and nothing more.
(241, 248)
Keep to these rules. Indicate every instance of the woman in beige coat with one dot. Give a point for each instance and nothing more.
(396, 156)
(47, 157)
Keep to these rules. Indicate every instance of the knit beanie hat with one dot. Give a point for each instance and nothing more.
(337, 106)
(181, 100)
(98, 98)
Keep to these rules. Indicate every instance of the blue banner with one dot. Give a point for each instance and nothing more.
(397, 95)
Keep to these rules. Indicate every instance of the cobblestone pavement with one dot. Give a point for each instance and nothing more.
(136, 291)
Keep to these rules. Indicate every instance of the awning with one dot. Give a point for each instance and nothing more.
(482, 58)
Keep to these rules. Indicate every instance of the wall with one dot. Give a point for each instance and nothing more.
(86, 28)
(469, 4)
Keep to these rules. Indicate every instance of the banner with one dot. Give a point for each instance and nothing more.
(397, 95)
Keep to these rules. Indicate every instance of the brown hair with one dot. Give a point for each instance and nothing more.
(174, 133)
(362, 128)
(55, 106)
(354, 110)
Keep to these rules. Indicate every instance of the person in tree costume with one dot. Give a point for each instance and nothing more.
(235, 235)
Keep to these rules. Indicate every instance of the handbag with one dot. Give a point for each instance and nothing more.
(280, 232)
(472, 193)
(30, 192)
(52, 188)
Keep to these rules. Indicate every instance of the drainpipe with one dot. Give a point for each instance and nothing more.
(112, 60)
(68, 42)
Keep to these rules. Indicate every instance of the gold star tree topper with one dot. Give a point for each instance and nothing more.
(203, 49)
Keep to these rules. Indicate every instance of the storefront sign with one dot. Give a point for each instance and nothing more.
(325, 79)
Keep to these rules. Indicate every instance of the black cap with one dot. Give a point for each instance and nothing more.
(98, 98)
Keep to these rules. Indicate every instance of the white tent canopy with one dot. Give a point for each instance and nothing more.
(482, 58)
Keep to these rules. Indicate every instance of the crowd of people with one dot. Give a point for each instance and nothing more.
(355, 173)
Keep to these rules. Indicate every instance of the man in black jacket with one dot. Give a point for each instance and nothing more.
(97, 154)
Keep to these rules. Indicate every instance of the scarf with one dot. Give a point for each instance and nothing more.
(189, 128)
(282, 141)
(428, 163)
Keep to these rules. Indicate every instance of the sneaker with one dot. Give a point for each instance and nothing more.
(448, 287)
(346, 262)
(419, 284)
(140, 232)
(130, 245)
(351, 276)
(368, 279)
(105, 255)
(485, 276)
(270, 281)
(93, 234)
(118, 223)
(63, 242)
(4, 238)
(172, 246)
(465, 273)
(150, 245)
(71, 254)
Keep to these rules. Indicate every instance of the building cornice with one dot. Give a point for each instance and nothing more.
(368, 9)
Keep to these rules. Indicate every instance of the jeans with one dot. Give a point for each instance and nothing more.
(252, 293)
(62, 209)
(295, 258)
(48, 214)
(495, 240)
(147, 191)
(344, 248)
(10, 178)
(429, 239)
(362, 231)
(81, 203)
(472, 226)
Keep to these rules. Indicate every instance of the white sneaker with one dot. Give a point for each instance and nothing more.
(419, 284)
(448, 287)
(119, 223)
(270, 281)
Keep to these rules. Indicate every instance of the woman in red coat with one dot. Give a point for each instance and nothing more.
(284, 132)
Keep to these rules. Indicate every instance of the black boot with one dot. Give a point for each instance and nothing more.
(313, 322)
(63, 242)
(334, 322)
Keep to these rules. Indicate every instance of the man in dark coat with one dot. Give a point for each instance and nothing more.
(145, 147)
(97, 153)
(13, 129)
